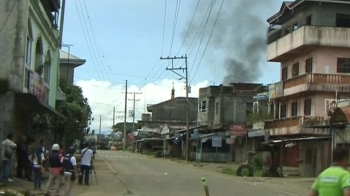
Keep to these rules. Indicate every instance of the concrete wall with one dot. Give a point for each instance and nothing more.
(67, 72)
(232, 105)
(7, 113)
(175, 110)
(12, 41)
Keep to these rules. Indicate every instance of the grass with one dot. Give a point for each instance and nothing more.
(233, 172)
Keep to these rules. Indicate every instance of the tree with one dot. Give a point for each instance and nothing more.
(77, 113)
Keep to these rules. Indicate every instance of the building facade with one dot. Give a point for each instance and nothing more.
(68, 63)
(309, 39)
(30, 62)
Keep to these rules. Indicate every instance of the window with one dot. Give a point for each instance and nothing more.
(294, 111)
(295, 70)
(203, 106)
(249, 109)
(285, 73)
(342, 20)
(343, 65)
(29, 51)
(309, 20)
(307, 107)
(283, 110)
(217, 108)
(308, 65)
(295, 26)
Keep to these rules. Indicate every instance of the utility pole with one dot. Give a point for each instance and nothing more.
(125, 108)
(113, 116)
(175, 69)
(61, 23)
(133, 108)
(99, 133)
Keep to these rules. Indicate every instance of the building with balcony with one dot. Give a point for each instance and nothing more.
(310, 40)
(29, 57)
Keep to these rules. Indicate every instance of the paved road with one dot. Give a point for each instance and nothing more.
(126, 173)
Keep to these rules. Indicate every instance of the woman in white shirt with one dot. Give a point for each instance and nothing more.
(36, 158)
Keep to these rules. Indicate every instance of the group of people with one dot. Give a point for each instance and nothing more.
(63, 167)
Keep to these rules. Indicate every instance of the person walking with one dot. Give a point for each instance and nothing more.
(70, 170)
(22, 158)
(37, 158)
(7, 152)
(55, 160)
(334, 181)
(85, 164)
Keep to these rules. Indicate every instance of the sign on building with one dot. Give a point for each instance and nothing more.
(216, 141)
(238, 130)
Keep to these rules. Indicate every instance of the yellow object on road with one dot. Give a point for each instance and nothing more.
(206, 188)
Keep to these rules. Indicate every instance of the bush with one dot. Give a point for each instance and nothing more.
(258, 163)
(10, 192)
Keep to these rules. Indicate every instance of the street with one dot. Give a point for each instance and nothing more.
(126, 173)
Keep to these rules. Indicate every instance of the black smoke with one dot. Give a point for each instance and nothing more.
(238, 42)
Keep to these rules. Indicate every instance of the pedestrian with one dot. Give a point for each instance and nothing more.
(335, 180)
(36, 158)
(94, 149)
(70, 170)
(22, 158)
(55, 160)
(7, 152)
(85, 164)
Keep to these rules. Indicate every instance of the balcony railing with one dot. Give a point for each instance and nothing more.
(38, 87)
(313, 82)
(281, 45)
(294, 125)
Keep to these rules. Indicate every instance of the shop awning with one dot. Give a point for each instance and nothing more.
(191, 128)
(341, 115)
(256, 133)
(301, 139)
(31, 103)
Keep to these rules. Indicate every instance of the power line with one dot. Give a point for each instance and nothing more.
(166, 3)
(211, 33)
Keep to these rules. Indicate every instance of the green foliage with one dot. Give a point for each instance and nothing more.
(120, 127)
(77, 114)
(258, 163)
(256, 117)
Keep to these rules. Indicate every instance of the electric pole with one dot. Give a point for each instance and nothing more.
(113, 117)
(175, 69)
(125, 108)
(99, 134)
(133, 108)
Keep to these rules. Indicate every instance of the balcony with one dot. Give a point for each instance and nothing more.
(282, 47)
(38, 87)
(312, 82)
(293, 125)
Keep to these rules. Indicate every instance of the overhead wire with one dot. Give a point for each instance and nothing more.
(211, 33)
(165, 9)
(204, 30)
(177, 9)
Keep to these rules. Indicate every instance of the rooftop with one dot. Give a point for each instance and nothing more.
(67, 58)
(289, 6)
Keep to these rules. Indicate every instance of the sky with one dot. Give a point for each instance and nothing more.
(224, 41)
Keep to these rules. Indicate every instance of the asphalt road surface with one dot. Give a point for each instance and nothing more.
(126, 173)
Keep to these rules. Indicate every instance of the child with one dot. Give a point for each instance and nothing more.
(36, 158)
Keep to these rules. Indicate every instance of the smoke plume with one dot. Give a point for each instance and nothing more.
(238, 40)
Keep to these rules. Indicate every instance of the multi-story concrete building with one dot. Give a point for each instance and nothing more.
(310, 40)
(29, 57)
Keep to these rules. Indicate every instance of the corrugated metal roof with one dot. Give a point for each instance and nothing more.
(341, 115)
